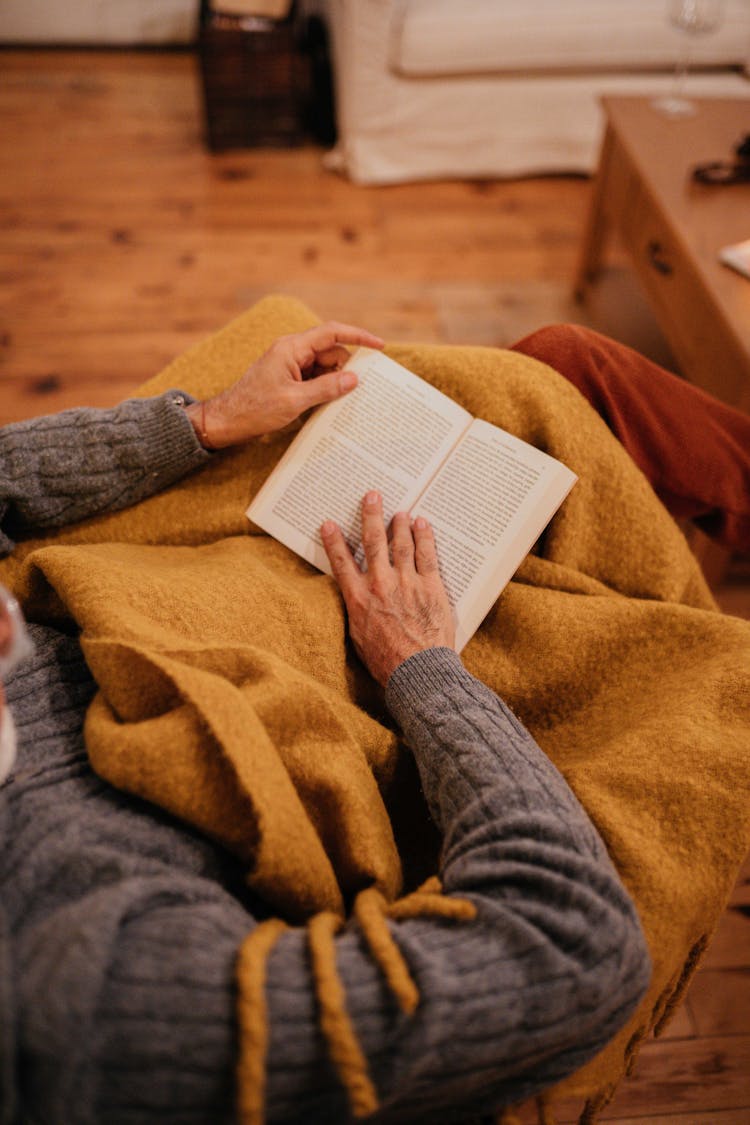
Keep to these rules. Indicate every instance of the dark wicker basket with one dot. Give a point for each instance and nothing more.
(256, 80)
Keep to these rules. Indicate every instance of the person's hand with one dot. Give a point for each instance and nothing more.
(296, 373)
(395, 609)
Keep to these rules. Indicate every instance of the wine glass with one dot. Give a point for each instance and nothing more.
(692, 17)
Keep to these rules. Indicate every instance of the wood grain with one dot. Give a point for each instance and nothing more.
(674, 229)
(123, 242)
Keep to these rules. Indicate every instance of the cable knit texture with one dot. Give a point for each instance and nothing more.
(119, 928)
(126, 454)
(608, 647)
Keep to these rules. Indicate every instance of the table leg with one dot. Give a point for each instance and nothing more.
(597, 225)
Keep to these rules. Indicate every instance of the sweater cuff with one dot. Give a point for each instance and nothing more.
(421, 678)
(170, 442)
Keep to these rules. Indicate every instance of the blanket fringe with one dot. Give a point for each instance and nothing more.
(253, 1019)
(545, 1115)
(371, 911)
(596, 1105)
(430, 900)
(343, 1046)
(678, 992)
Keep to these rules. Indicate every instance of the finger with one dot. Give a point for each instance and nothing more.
(325, 336)
(425, 551)
(324, 388)
(345, 570)
(402, 543)
(337, 356)
(374, 540)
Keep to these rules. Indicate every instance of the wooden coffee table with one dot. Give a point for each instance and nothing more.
(673, 229)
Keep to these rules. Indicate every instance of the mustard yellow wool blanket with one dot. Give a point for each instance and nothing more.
(228, 696)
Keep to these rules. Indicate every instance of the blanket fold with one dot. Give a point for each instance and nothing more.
(228, 696)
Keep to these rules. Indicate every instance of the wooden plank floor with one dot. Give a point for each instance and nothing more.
(123, 242)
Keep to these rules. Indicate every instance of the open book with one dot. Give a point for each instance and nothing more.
(487, 494)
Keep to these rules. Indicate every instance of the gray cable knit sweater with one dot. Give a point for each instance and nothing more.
(119, 926)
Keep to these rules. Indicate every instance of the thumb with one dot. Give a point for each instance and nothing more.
(326, 388)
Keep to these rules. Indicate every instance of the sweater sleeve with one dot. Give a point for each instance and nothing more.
(510, 1003)
(121, 970)
(65, 467)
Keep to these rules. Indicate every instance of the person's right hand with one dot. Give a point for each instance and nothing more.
(296, 373)
(395, 609)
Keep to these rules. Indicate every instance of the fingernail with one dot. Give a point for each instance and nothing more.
(327, 529)
(347, 381)
(371, 499)
(420, 523)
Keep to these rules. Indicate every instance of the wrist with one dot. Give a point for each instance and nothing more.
(196, 413)
(397, 659)
(394, 660)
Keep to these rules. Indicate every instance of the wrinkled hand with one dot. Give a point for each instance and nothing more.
(296, 373)
(395, 609)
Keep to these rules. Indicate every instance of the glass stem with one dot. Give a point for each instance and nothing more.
(681, 69)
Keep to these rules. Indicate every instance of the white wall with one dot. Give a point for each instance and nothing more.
(98, 21)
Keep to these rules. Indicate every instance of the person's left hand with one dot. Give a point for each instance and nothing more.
(296, 373)
(396, 608)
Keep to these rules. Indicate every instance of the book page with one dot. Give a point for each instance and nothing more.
(390, 433)
(488, 505)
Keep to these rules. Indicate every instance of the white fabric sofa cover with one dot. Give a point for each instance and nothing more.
(110, 22)
(486, 88)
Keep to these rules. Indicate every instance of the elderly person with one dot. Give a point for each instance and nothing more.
(119, 926)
